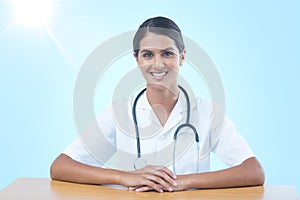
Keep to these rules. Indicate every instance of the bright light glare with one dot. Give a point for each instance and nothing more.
(33, 12)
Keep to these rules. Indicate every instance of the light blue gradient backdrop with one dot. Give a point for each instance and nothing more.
(254, 45)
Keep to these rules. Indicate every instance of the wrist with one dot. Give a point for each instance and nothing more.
(119, 177)
(111, 176)
(182, 182)
(187, 181)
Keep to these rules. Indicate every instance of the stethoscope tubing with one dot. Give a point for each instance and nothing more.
(186, 124)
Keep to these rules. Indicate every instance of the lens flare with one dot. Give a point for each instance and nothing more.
(33, 12)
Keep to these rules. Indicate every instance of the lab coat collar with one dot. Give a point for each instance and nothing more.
(178, 113)
(181, 104)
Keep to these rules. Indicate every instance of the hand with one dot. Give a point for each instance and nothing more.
(152, 168)
(180, 186)
(152, 177)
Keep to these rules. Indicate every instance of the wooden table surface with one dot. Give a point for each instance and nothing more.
(44, 189)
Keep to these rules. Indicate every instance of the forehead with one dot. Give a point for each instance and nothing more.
(155, 41)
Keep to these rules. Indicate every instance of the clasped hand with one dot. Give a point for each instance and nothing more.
(156, 178)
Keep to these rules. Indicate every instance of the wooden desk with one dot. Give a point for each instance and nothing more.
(44, 189)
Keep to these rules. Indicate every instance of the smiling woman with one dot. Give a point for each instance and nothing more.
(33, 12)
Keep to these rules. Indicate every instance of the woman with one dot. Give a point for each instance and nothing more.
(159, 52)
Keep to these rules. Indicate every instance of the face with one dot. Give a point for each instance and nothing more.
(159, 60)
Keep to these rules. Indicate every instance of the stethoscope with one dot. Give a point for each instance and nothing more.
(140, 162)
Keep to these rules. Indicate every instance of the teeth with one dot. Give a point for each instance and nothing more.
(159, 74)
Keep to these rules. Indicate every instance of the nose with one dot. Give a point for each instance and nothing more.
(158, 61)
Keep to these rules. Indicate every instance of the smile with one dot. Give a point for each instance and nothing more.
(158, 74)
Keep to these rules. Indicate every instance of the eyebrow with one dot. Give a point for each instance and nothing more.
(166, 49)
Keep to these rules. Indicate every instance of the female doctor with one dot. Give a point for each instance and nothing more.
(159, 52)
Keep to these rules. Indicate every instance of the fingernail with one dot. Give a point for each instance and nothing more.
(170, 189)
(174, 183)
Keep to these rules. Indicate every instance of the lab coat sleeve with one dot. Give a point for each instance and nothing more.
(80, 151)
(231, 148)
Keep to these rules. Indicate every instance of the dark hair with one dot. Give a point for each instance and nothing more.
(160, 26)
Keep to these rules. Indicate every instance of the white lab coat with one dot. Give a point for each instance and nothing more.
(114, 144)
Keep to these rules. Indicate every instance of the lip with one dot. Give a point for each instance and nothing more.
(159, 75)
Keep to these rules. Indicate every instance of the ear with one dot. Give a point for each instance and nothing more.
(182, 57)
(136, 58)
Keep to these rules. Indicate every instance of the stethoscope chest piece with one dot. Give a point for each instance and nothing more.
(139, 163)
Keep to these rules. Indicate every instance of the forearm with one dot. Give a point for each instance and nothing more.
(249, 173)
(66, 169)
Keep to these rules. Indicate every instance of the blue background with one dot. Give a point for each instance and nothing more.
(254, 45)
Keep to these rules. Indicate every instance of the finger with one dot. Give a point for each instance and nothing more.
(166, 177)
(157, 180)
(169, 172)
(132, 188)
(147, 188)
(151, 168)
(164, 169)
(143, 189)
(151, 185)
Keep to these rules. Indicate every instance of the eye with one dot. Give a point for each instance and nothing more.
(168, 54)
(147, 54)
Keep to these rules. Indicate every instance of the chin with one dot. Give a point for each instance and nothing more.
(160, 86)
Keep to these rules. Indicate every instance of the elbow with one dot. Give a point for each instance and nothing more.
(57, 167)
(254, 172)
(260, 176)
(54, 171)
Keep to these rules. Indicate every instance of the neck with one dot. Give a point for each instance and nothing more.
(162, 100)
(162, 95)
